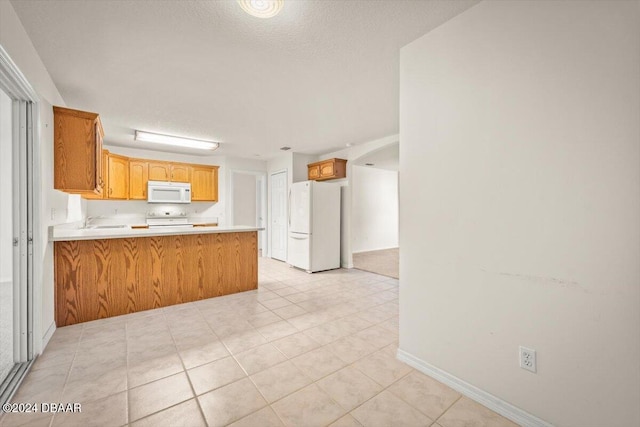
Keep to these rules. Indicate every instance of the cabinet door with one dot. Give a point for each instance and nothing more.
(180, 173)
(77, 151)
(204, 184)
(138, 178)
(118, 177)
(104, 168)
(99, 159)
(326, 170)
(314, 172)
(159, 171)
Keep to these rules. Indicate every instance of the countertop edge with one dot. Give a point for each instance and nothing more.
(62, 235)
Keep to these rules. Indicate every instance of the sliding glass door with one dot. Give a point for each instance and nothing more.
(7, 326)
(17, 110)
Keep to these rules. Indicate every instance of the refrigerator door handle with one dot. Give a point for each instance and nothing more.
(300, 238)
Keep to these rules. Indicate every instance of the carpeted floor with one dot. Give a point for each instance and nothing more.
(385, 262)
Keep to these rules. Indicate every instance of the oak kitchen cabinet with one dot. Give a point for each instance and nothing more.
(167, 171)
(159, 171)
(82, 166)
(180, 172)
(204, 183)
(138, 178)
(77, 154)
(203, 178)
(117, 177)
(327, 169)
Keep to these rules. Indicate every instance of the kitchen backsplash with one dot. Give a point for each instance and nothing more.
(135, 212)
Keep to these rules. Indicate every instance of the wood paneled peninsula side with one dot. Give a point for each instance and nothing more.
(102, 273)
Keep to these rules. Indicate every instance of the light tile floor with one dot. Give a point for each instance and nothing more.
(302, 350)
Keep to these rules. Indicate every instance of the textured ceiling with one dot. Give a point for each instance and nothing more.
(317, 76)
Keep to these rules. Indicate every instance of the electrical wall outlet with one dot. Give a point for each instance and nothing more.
(528, 359)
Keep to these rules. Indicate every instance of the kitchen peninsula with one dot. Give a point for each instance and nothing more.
(102, 273)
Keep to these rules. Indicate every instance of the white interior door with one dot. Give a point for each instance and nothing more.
(278, 195)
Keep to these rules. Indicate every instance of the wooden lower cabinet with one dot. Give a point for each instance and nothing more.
(96, 279)
(138, 178)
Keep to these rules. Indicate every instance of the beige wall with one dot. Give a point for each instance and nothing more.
(520, 205)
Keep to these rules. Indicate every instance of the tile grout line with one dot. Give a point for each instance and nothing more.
(184, 367)
(66, 379)
(449, 407)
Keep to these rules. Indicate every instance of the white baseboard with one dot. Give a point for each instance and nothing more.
(47, 336)
(492, 402)
(376, 249)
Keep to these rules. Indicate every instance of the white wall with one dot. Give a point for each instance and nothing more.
(374, 211)
(351, 154)
(16, 42)
(244, 199)
(520, 205)
(6, 190)
(299, 166)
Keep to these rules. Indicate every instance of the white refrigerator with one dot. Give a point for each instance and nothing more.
(314, 226)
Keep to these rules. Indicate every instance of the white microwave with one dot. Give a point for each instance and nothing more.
(168, 192)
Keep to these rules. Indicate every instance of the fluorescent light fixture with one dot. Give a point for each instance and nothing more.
(175, 140)
(262, 8)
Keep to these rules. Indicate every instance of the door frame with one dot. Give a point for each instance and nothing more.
(261, 201)
(26, 216)
(269, 234)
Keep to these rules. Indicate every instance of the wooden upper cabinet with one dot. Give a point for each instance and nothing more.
(314, 171)
(105, 169)
(77, 154)
(118, 177)
(180, 172)
(159, 171)
(327, 169)
(138, 178)
(204, 183)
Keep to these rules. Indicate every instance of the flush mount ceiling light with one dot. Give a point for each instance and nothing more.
(175, 140)
(262, 8)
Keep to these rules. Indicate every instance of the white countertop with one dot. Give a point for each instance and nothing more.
(74, 231)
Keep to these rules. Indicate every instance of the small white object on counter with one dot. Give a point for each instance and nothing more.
(73, 231)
